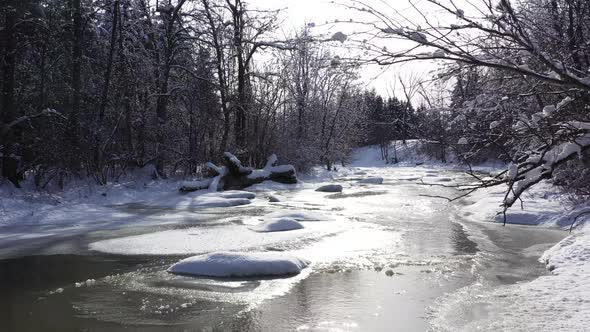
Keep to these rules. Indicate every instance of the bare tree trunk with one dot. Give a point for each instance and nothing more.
(220, 75)
(9, 163)
(73, 132)
(105, 90)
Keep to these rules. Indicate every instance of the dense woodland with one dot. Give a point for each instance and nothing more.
(99, 87)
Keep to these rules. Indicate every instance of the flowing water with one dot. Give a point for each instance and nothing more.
(401, 261)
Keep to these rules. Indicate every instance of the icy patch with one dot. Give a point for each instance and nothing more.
(277, 225)
(232, 264)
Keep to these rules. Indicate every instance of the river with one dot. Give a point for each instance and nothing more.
(401, 261)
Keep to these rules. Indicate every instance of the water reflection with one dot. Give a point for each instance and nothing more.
(462, 244)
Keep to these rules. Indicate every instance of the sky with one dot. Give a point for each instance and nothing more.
(296, 13)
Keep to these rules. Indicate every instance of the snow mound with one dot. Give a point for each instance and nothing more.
(234, 264)
(277, 225)
(372, 180)
(522, 217)
(330, 188)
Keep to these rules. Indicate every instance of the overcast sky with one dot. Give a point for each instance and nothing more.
(296, 13)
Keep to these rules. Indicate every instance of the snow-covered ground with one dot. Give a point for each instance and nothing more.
(316, 227)
(559, 301)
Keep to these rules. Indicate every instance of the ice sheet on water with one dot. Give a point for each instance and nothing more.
(198, 240)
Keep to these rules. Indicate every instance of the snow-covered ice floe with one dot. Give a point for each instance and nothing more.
(330, 188)
(197, 199)
(372, 180)
(236, 264)
(299, 215)
(277, 225)
(198, 240)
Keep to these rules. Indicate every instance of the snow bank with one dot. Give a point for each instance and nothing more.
(558, 302)
(277, 225)
(330, 188)
(542, 205)
(233, 264)
(372, 180)
(570, 255)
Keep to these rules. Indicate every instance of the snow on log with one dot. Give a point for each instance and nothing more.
(233, 175)
(235, 264)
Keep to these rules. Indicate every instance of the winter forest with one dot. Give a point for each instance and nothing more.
(96, 88)
(357, 93)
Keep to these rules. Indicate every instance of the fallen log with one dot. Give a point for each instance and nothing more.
(233, 175)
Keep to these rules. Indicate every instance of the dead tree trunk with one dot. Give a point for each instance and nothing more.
(232, 175)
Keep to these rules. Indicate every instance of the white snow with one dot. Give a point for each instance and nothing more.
(277, 225)
(549, 110)
(239, 264)
(269, 169)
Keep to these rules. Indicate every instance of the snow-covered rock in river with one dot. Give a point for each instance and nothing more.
(237, 264)
(277, 225)
(330, 188)
(372, 180)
